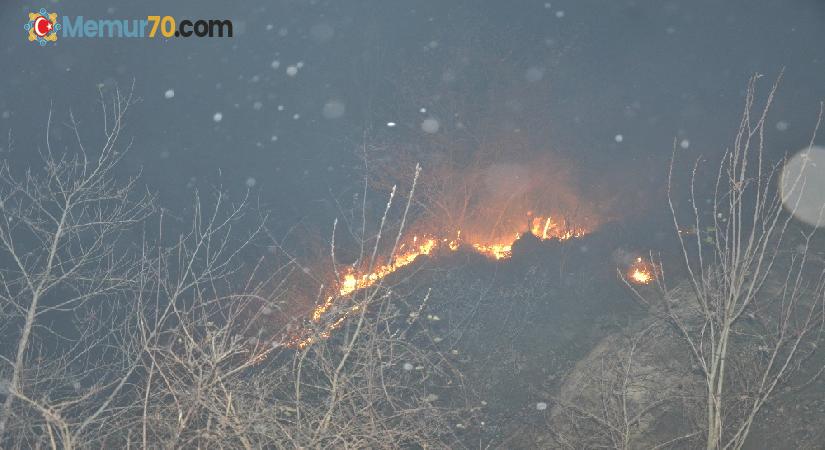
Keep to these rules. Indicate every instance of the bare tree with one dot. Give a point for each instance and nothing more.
(61, 235)
(353, 377)
(755, 285)
(131, 329)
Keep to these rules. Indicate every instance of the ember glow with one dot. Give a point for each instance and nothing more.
(351, 281)
(547, 228)
(640, 272)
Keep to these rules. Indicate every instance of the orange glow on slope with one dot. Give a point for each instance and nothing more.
(353, 281)
(640, 272)
(544, 228)
(547, 228)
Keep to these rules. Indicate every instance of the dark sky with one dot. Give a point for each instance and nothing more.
(575, 77)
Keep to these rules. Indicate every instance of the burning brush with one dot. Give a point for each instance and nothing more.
(641, 271)
(352, 280)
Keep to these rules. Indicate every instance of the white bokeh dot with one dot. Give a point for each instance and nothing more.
(802, 185)
(430, 125)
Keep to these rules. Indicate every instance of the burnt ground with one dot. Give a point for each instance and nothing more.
(517, 329)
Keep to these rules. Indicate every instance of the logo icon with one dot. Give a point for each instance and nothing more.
(42, 27)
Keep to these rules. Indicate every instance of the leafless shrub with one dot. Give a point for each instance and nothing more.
(61, 233)
(374, 385)
(168, 338)
(754, 284)
(365, 384)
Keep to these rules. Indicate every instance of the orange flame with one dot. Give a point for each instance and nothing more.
(544, 228)
(547, 228)
(640, 272)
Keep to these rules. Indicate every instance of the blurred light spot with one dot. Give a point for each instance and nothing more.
(802, 185)
(430, 125)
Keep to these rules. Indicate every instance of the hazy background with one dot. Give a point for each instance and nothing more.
(604, 85)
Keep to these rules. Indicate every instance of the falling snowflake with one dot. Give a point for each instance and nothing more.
(430, 125)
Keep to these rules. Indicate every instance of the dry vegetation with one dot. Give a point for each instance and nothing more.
(753, 316)
(124, 328)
